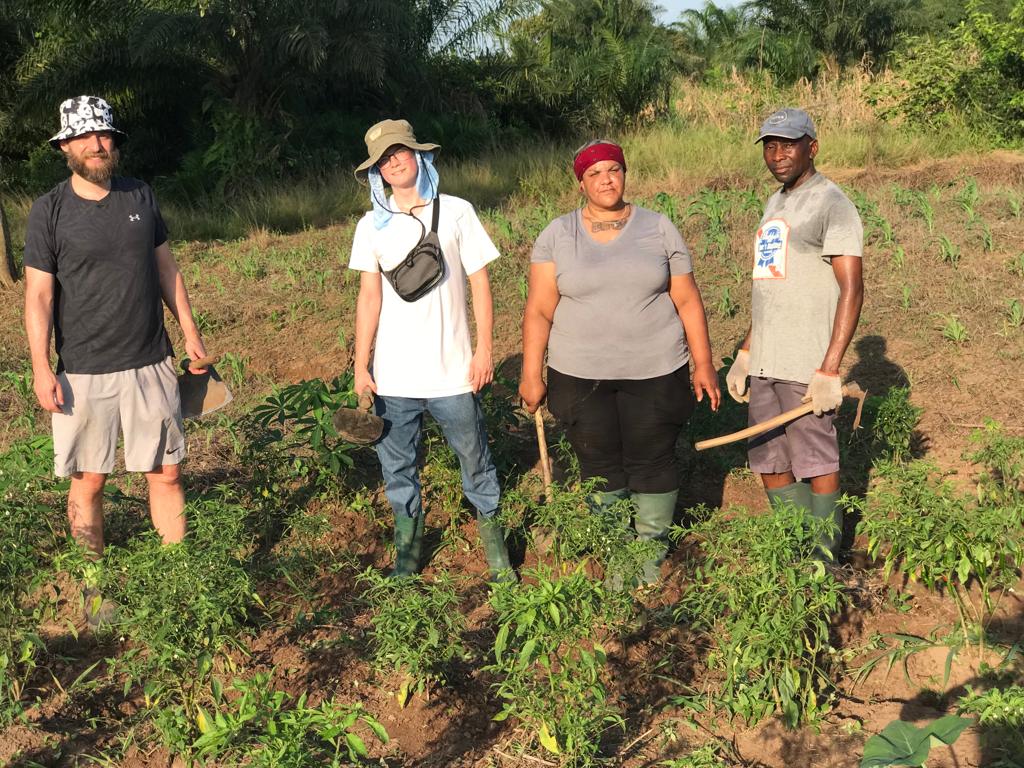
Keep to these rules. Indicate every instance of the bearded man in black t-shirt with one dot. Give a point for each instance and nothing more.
(97, 264)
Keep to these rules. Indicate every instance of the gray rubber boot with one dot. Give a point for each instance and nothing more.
(408, 544)
(825, 506)
(495, 548)
(654, 513)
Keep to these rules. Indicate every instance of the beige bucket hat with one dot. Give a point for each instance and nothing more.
(386, 134)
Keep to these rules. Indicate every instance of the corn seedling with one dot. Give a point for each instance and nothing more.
(1013, 203)
(726, 307)
(234, 366)
(919, 203)
(1015, 313)
(953, 329)
(905, 293)
(949, 251)
(985, 232)
(899, 257)
(713, 207)
(877, 229)
(968, 198)
(666, 204)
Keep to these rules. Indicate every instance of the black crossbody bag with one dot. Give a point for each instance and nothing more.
(421, 271)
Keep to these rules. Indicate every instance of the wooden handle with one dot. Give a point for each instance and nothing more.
(849, 390)
(542, 447)
(757, 429)
(202, 362)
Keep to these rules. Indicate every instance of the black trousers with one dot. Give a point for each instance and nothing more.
(624, 430)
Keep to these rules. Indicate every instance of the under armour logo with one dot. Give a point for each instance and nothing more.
(134, 217)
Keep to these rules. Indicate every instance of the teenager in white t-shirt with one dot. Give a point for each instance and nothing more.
(423, 354)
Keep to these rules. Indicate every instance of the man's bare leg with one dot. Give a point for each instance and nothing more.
(85, 510)
(774, 481)
(825, 483)
(167, 502)
(820, 484)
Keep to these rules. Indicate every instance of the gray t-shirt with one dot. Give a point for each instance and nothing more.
(795, 293)
(615, 318)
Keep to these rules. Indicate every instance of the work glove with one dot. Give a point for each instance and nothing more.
(736, 378)
(825, 392)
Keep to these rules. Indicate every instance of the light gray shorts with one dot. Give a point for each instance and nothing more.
(807, 446)
(141, 402)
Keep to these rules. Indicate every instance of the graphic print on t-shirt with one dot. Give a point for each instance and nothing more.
(770, 249)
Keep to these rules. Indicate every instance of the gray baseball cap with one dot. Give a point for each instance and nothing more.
(789, 123)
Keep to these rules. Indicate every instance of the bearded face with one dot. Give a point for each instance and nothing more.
(94, 157)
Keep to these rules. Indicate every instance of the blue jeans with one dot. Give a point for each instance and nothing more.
(462, 422)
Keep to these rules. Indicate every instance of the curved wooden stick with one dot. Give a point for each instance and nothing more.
(849, 390)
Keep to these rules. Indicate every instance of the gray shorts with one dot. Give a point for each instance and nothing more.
(141, 402)
(807, 446)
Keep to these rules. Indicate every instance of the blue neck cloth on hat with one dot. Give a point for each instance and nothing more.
(426, 187)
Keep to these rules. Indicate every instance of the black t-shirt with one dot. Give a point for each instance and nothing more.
(107, 315)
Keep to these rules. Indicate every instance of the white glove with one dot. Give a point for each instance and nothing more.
(736, 378)
(825, 392)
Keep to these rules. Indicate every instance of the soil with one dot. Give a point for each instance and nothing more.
(261, 304)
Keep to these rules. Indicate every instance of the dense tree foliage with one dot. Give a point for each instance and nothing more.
(975, 73)
(220, 94)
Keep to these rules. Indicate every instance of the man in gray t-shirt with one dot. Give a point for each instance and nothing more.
(806, 301)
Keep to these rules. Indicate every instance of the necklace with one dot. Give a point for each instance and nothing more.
(603, 225)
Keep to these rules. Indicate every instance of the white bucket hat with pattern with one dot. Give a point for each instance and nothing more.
(85, 114)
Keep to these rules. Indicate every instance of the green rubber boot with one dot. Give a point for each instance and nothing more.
(408, 545)
(654, 513)
(495, 549)
(600, 501)
(825, 506)
(798, 494)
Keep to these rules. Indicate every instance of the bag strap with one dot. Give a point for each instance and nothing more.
(436, 214)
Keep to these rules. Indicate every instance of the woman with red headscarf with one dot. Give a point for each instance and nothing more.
(613, 302)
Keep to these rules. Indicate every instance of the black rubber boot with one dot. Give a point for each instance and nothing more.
(654, 513)
(495, 548)
(408, 545)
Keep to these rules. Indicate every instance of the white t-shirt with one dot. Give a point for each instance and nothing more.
(423, 347)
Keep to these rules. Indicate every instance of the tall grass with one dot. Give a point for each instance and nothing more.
(708, 136)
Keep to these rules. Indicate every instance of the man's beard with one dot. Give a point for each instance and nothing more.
(96, 174)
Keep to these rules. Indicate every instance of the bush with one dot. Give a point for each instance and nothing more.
(417, 628)
(1000, 714)
(763, 603)
(975, 73)
(928, 530)
(27, 530)
(894, 425)
(552, 667)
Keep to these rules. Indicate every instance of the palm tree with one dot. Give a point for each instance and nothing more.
(845, 32)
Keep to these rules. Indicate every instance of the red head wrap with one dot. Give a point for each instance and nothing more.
(595, 154)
